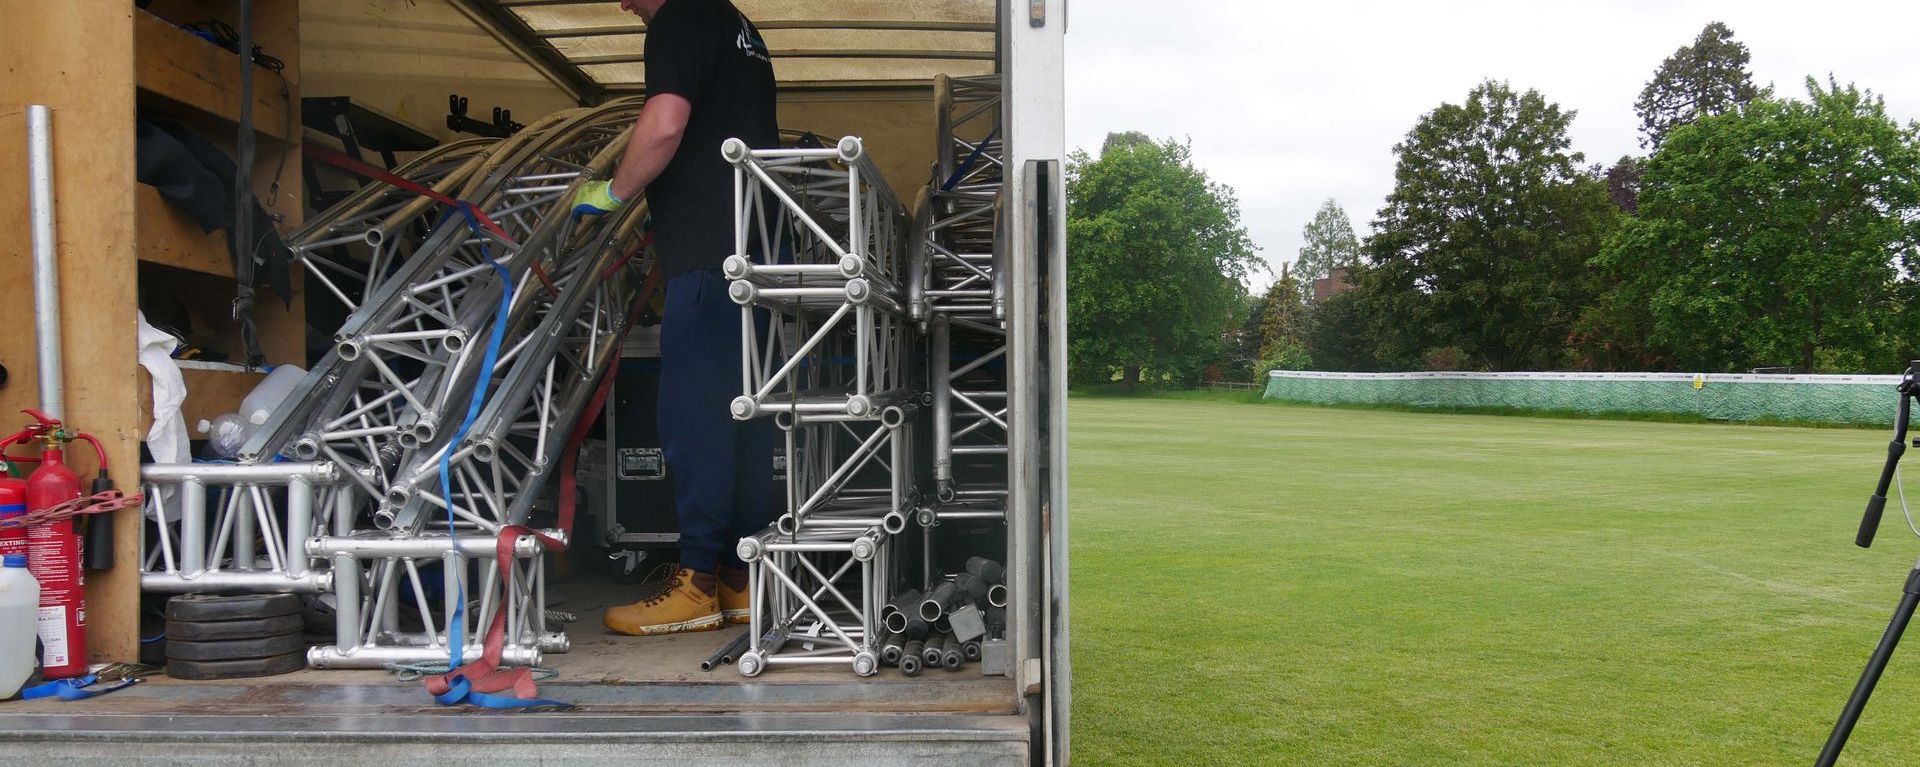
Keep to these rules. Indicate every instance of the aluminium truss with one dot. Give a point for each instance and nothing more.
(354, 245)
(957, 295)
(383, 411)
(835, 372)
(959, 298)
(821, 573)
(829, 236)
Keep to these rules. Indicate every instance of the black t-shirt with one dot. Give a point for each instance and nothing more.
(707, 52)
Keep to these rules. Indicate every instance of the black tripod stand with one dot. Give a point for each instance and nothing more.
(1910, 597)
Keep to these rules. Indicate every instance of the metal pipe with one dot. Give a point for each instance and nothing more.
(46, 267)
(940, 601)
(951, 656)
(319, 473)
(257, 581)
(477, 545)
(346, 573)
(986, 569)
(378, 656)
(193, 526)
(912, 656)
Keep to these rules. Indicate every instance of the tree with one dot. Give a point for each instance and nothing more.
(1483, 243)
(1283, 326)
(1337, 337)
(1245, 343)
(1623, 183)
(1158, 258)
(1706, 78)
(1329, 244)
(1784, 233)
(1120, 139)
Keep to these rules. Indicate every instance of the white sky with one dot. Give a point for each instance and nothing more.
(1292, 102)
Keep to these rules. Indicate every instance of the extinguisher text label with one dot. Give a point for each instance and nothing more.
(53, 635)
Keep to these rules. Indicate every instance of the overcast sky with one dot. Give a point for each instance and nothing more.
(1294, 102)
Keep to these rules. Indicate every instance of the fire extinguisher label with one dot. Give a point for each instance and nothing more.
(53, 635)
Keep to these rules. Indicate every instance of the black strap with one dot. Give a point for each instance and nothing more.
(243, 196)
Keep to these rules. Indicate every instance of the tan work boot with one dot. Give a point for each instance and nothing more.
(736, 604)
(681, 606)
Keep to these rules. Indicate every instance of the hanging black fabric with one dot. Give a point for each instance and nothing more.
(196, 177)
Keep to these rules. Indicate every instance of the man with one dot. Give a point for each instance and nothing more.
(709, 78)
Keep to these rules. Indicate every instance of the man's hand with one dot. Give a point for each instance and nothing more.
(596, 198)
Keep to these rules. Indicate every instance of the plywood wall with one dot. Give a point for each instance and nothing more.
(405, 56)
(895, 126)
(77, 58)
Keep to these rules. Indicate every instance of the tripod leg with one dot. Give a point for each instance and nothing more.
(1871, 676)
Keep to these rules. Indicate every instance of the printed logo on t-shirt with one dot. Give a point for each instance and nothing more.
(750, 43)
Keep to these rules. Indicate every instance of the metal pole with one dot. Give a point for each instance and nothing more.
(46, 266)
(299, 524)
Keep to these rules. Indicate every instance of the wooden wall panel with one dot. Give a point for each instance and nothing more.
(895, 126)
(77, 57)
(405, 56)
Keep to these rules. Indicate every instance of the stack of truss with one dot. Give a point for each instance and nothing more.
(822, 247)
(883, 332)
(431, 285)
(957, 296)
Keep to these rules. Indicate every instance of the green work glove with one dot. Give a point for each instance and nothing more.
(596, 198)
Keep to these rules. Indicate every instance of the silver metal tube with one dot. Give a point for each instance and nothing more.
(46, 265)
(346, 574)
(193, 526)
(299, 525)
(318, 472)
(475, 545)
(941, 378)
(372, 656)
(258, 581)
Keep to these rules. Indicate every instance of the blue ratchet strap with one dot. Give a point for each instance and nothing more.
(462, 692)
(456, 635)
(460, 689)
(77, 688)
(972, 157)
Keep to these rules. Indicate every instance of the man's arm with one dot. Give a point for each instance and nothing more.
(655, 137)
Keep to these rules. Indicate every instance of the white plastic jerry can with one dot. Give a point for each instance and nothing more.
(19, 623)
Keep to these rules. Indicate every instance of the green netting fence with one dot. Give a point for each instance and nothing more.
(1731, 397)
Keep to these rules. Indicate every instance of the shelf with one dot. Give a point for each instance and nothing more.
(184, 72)
(172, 238)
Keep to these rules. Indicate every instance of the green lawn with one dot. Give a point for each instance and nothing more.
(1273, 584)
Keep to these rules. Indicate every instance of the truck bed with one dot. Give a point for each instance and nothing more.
(639, 701)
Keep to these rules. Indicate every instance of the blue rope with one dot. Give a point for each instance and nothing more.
(456, 634)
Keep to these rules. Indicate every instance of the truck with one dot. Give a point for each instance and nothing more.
(878, 86)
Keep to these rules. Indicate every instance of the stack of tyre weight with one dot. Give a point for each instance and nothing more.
(943, 628)
(236, 636)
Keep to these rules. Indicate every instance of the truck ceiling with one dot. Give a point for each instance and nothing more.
(592, 49)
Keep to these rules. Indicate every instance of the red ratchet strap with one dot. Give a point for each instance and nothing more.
(347, 163)
(474, 682)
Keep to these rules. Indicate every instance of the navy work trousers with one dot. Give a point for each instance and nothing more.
(722, 468)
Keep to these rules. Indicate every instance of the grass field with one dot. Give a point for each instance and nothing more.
(1274, 584)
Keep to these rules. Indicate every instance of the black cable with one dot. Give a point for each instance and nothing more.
(224, 35)
(243, 197)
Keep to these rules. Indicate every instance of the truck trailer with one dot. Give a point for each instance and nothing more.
(915, 367)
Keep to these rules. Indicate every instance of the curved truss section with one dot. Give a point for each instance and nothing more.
(384, 406)
(403, 366)
(349, 248)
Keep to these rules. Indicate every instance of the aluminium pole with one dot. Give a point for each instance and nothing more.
(46, 266)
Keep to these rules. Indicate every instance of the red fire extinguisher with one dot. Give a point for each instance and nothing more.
(13, 503)
(53, 556)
